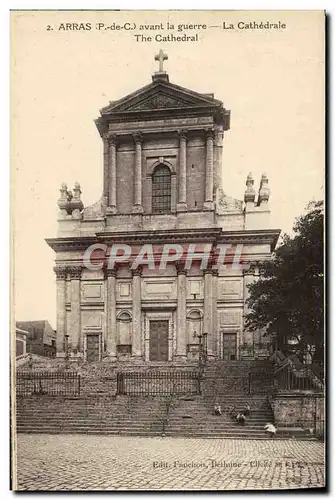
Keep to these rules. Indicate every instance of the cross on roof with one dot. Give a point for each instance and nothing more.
(161, 57)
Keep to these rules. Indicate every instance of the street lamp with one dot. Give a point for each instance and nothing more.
(66, 349)
(205, 335)
(200, 348)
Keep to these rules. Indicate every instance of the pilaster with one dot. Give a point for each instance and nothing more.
(249, 276)
(181, 312)
(208, 311)
(208, 205)
(138, 208)
(215, 274)
(136, 313)
(61, 312)
(182, 203)
(106, 166)
(110, 311)
(76, 341)
(112, 174)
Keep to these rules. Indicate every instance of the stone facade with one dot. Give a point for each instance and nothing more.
(148, 313)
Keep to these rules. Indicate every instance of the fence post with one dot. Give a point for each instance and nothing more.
(249, 383)
(78, 384)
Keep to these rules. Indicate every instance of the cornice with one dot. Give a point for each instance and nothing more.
(211, 235)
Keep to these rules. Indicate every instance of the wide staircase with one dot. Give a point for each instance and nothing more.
(140, 406)
(231, 384)
(118, 415)
(193, 417)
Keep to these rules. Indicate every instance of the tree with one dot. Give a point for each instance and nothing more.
(287, 300)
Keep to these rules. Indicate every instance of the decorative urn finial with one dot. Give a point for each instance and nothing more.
(62, 201)
(250, 193)
(264, 191)
(76, 204)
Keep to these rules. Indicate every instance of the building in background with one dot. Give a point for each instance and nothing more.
(20, 342)
(40, 337)
(163, 148)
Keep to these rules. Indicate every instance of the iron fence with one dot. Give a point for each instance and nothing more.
(158, 383)
(289, 379)
(47, 383)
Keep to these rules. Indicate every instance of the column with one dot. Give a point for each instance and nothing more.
(247, 338)
(110, 311)
(112, 175)
(136, 310)
(61, 312)
(218, 146)
(216, 351)
(138, 174)
(208, 205)
(182, 203)
(208, 310)
(106, 166)
(181, 312)
(75, 323)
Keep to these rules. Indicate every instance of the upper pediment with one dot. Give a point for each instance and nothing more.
(160, 96)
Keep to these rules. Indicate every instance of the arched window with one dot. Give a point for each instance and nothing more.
(194, 324)
(124, 324)
(161, 190)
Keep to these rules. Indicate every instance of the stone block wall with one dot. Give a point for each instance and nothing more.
(305, 410)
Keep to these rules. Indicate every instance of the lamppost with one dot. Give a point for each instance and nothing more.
(200, 349)
(205, 335)
(66, 349)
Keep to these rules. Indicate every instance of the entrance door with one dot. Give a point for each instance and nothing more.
(159, 341)
(229, 346)
(92, 347)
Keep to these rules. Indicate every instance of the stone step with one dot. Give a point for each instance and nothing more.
(103, 431)
(120, 423)
(156, 428)
(191, 435)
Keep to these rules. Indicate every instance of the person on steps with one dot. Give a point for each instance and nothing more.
(240, 418)
(217, 409)
(270, 430)
(246, 409)
(233, 413)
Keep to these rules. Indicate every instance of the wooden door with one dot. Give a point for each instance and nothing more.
(229, 346)
(92, 347)
(159, 341)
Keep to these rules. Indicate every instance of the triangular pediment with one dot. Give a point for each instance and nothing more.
(159, 101)
(160, 95)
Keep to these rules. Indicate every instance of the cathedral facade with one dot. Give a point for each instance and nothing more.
(158, 268)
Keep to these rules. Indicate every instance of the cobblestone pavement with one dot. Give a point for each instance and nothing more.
(79, 462)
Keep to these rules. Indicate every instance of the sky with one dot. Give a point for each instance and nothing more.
(272, 81)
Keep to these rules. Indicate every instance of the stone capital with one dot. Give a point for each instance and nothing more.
(113, 140)
(109, 273)
(183, 134)
(210, 133)
(61, 272)
(209, 270)
(251, 270)
(180, 268)
(137, 271)
(74, 272)
(138, 138)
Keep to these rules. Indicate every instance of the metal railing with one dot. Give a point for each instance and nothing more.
(158, 383)
(47, 383)
(291, 379)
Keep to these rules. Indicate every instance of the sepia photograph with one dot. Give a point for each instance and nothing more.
(167, 235)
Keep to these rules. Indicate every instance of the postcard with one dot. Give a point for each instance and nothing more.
(167, 187)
